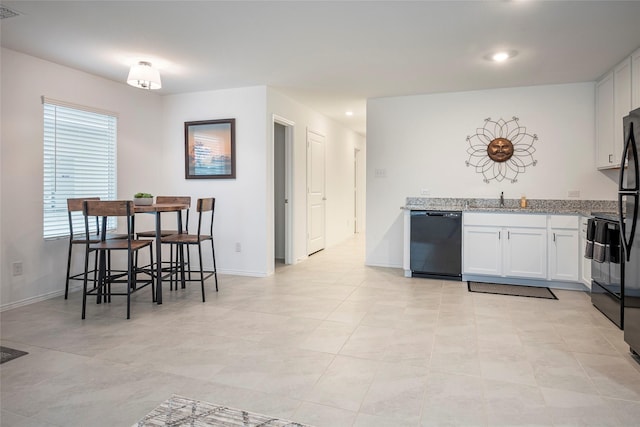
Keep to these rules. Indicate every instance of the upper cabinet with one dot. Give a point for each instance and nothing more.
(635, 80)
(615, 97)
(622, 104)
(605, 149)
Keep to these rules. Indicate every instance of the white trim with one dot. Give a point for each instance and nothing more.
(32, 300)
(46, 100)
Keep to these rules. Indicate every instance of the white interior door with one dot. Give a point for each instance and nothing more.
(315, 192)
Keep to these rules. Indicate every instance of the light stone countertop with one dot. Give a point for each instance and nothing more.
(542, 206)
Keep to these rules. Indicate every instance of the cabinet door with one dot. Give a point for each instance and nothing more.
(525, 253)
(564, 252)
(585, 263)
(482, 250)
(622, 105)
(604, 122)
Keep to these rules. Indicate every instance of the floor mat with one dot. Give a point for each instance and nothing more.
(7, 354)
(513, 290)
(182, 411)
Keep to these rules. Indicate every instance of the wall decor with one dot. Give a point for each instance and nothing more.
(501, 150)
(210, 149)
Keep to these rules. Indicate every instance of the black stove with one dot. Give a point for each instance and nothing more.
(609, 216)
(607, 269)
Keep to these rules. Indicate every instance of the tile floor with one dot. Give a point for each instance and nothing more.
(328, 342)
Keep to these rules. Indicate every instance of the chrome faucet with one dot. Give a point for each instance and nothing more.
(502, 199)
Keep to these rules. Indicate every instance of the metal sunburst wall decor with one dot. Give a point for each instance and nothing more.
(501, 150)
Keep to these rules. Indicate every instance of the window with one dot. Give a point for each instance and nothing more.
(79, 161)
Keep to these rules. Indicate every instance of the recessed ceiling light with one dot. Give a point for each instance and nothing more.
(349, 113)
(500, 56)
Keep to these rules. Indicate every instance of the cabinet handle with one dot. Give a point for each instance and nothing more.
(554, 237)
(610, 156)
(508, 235)
(499, 235)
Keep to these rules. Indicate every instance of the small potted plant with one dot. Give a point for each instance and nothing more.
(143, 199)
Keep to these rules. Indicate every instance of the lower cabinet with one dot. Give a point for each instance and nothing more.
(482, 250)
(511, 245)
(526, 253)
(528, 246)
(584, 262)
(564, 248)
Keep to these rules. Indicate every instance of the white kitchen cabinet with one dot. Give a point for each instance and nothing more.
(605, 150)
(635, 80)
(525, 253)
(613, 102)
(510, 245)
(622, 104)
(482, 250)
(585, 263)
(564, 248)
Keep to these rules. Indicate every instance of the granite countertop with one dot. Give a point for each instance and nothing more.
(542, 206)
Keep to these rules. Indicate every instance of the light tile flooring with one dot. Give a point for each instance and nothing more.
(329, 342)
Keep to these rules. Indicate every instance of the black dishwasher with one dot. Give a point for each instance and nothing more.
(436, 244)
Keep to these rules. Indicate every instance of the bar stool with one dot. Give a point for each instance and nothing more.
(205, 206)
(103, 249)
(75, 206)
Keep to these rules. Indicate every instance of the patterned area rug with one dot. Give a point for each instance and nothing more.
(7, 354)
(182, 411)
(514, 290)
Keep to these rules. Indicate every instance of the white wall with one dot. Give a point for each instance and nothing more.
(420, 142)
(24, 80)
(340, 145)
(241, 215)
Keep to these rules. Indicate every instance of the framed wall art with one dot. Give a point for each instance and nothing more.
(210, 149)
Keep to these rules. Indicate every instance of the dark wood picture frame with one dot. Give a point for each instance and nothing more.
(210, 149)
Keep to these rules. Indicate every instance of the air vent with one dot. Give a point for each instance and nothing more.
(5, 12)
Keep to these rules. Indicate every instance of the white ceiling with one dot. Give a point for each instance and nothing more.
(331, 56)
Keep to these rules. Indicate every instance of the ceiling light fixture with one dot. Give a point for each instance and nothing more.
(500, 56)
(349, 113)
(144, 76)
(5, 12)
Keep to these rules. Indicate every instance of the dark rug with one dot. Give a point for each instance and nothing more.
(513, 290)
(182, 411)
(7, 354)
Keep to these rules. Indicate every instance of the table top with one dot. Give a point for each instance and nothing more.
(160, 207)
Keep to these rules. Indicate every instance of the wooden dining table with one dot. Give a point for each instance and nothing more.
(158, 209)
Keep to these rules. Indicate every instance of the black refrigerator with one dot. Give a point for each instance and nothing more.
(628, 192)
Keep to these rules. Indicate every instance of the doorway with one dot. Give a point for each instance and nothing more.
(283, 131)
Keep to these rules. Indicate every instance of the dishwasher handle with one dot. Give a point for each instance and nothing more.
(446, 214)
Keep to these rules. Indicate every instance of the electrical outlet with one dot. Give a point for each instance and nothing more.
(425, 192)
(16, 268)
(574, 194)
(238, 247)
(380, 173)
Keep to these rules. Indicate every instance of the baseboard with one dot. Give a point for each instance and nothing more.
(31, 300)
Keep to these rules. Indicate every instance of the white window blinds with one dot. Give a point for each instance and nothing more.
(79, 161)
